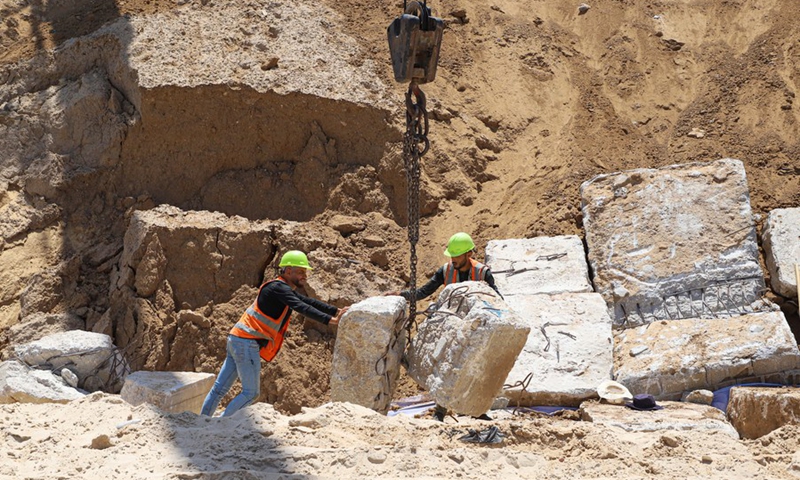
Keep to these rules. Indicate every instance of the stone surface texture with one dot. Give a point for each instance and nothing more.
(369, 347)
(524, 266)
(782, 249)
(569, 350)
(675, 416)
(23, 384)
(756, 411)
(173, 392)
(462, 354)
(92, 356)
(675, 242)
(668, 358)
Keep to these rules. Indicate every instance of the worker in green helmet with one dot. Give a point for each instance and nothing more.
(461, 268)
(260, 330)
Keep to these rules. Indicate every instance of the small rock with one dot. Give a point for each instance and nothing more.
(702, 397)
(583, 8)
(346, 225)
(461, 15)
(69, 377)
(270, 64)
(374, 241)
(101, 442)
(670, 441)
(696, 133)
(376, 457)
(706, 459)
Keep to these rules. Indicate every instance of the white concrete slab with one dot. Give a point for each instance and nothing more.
(667, 358)
(782, 249)
(173, 392)
(569, 350)
(672, 243)
(675, 417)
(524, 266)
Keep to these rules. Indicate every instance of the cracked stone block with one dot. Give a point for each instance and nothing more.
(523, 266)
(666, 359)
(756, 411)
(172, 392)
(370, 343)
(96, 361)
(675, 416)
(204, 256)
(568, 352)
(23, 384)
(673, 243)
(463, 352)
(782, 249)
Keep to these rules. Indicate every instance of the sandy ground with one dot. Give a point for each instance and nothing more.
(101, 436)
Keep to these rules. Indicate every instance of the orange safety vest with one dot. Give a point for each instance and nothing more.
(477, 272)
(257, 325)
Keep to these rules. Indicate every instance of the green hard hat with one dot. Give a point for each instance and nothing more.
(459, 244)
(295, 258)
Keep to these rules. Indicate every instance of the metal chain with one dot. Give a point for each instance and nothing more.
(415, 145)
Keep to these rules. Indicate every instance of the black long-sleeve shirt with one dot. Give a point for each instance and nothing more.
(437, 280)
(274, 297)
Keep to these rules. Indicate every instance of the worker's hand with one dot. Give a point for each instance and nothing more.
(339, 313)
(390, 294)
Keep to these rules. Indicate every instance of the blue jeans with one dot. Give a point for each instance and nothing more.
(242, 362)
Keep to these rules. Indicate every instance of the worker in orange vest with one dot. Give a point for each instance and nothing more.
(260, 331)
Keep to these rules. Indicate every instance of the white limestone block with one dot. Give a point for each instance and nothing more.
(675, 416)
(173, 392)
(782, 249)
(672, 243)
(524, 266)
(569, 350)
(463, 353)
(684, 355)
(370, 343)
(92, 356)
(21, 383)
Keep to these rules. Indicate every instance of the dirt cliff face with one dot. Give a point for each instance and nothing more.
(289, 111)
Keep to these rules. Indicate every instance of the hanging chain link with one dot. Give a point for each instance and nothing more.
(415, 145)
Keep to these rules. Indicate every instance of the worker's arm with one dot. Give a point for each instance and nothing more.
(489, 278)
(275, 296)
(436, 281)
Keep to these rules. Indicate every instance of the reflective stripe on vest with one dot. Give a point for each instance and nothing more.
(477, 272)
(255, 324)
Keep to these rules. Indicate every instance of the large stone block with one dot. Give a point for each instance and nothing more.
(757, 411)
(675, 416)
(23, 384)
(204, 256)
(672, 243)
(464, 351)
(782, 249)
(369, 346)
(173, 392)
(666, 359)
(524, 266)
(91, 356)
(569, 350)
(38, 325)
